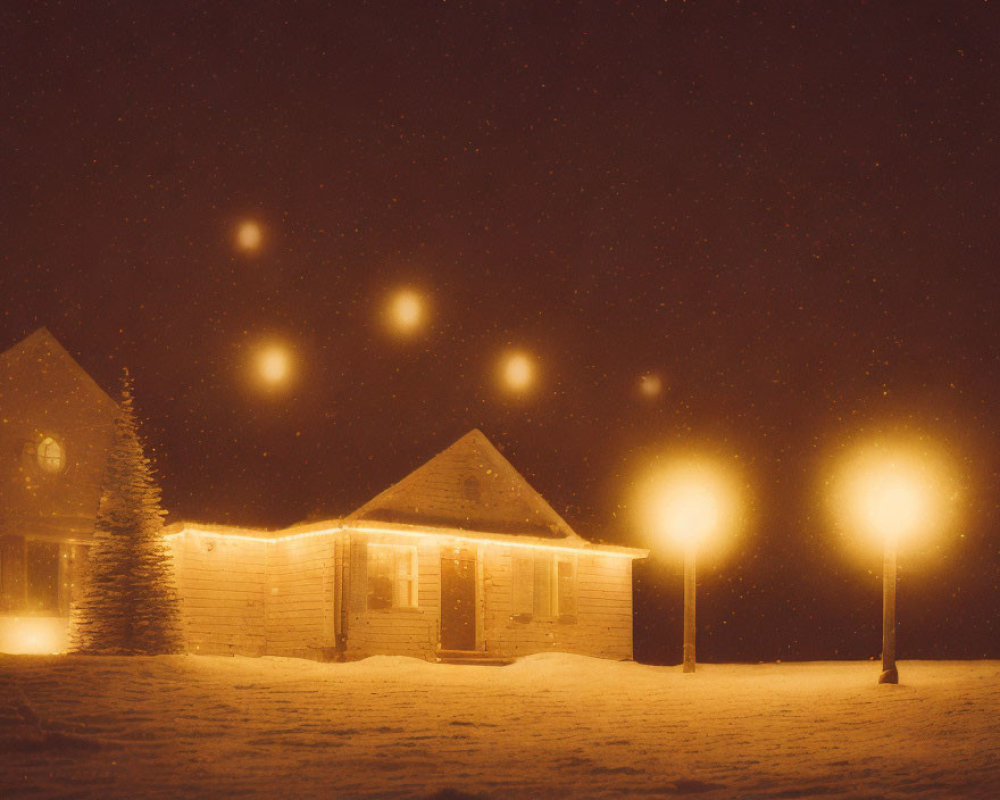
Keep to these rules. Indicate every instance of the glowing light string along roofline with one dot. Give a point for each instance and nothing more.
(605, 550)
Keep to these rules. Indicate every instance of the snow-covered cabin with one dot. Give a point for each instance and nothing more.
(55, 431)
(460, 560)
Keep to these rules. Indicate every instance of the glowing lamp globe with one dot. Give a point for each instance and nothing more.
(893, 503)
(689, 504)
(893, 492)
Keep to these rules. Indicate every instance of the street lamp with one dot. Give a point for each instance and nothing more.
(893, 492)
(690, 503)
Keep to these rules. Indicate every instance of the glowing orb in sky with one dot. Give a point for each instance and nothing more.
(406, 311)
(650, 385)
(518, 372)
(274, 365)
(248, 236)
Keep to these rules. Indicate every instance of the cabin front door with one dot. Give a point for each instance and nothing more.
(458, 600)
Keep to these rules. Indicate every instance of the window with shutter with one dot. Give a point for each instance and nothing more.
(522, 603)
(566, 578)
(543, 587)
(392, 576)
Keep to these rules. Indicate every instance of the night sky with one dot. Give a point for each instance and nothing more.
(788, 212)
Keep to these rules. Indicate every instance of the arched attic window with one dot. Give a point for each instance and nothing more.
(50, 455)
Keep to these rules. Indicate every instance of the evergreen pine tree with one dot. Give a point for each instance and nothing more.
(128, 604)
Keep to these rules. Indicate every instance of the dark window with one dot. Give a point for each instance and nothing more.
(543, 586)
(566, 599)
(472, 488)
(392, 576)
(42, 576)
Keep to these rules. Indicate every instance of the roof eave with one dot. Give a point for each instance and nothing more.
(333, 526)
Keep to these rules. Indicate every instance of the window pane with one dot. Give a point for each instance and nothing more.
(392, 576)
(11, 574)
(523, 579)
(50, 455)
(43, 576)
(567, 589)
(379, 577)
(543, 587)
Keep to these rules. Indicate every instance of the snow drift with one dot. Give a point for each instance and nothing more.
(547, 726)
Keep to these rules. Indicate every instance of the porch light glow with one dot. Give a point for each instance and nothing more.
(33, 635)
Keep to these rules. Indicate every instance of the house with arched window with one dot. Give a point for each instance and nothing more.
(55, 430)
(461, 560)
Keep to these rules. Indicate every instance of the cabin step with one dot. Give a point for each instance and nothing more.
(471, 658)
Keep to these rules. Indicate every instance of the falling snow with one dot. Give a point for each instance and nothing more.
(788, 217)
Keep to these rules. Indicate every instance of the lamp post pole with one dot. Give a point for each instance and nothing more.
(689, 608)
(889, 672)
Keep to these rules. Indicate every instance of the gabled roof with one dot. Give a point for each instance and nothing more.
(469, 486)
(41, 353)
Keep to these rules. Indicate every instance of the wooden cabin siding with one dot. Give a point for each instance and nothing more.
(45, 393)
(394, 631)
(221, 584)
(300, 612)
(601, 626)
(307, 597)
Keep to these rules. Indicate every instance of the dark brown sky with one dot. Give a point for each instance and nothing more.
(788, 210)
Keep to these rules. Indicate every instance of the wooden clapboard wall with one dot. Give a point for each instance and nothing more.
(221, 584)
(602, 622)
(302, 596)
(300, 612)
(394, 631)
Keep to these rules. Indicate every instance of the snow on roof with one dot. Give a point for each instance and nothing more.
(469, 486)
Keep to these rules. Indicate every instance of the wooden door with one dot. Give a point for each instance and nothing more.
(458, 601)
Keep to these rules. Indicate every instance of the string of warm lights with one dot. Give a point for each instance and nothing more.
(413, 532)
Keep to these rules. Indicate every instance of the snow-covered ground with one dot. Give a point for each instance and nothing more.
(547, 726)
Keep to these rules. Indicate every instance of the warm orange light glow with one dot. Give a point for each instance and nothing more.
(691, 502)
(894, 490)
(650, 385)
(423, 535)
(274, 365)
(407, 311)
(50, 455)
(33, 635)
(518, 372)
(249, 236)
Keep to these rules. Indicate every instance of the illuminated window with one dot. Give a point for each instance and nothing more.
(392, 576)
(544, 586)
(50, 455)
